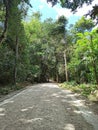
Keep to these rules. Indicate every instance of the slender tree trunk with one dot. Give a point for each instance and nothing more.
(65, 64)
(16, 60)
(56, 70)
(57, 77)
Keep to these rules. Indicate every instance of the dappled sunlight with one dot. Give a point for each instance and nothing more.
(82, 109)
(69, 127)
(68, 108)
(70, 95)
(55, 95)
(78, 103)
(31, 107)
(49, 85)
(47, 101)
(77, 112)
(89, 116)
(2, 111)
(26, 109)
(52, 108)
(30, 120)
(6, 102)
(66, 91)
(64, 100)
(2, 114)
(87, 113)
(77, 107)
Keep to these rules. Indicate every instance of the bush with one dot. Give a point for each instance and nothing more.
(83, 89)
(4, 91)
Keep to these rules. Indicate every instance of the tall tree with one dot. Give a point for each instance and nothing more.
(7, 6)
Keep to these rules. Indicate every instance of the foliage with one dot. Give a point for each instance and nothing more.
(6, 89)
(83, 25)
(83, 89)
(84, 63)
(8, 10)
(70, 4)
(13, 41)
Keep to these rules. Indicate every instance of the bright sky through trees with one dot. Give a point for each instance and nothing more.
(54, 12)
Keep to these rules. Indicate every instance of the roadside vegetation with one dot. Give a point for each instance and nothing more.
(9, 88)
(89, 91)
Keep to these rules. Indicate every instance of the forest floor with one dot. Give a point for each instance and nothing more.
(47, 107)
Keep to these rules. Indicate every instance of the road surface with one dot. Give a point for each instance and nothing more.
(46, 107)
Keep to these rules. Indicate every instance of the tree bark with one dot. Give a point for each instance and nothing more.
(65, 64)
(16, 60)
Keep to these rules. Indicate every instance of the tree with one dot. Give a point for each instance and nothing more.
(83, 25)
(13, 37)
(45, 48)
(37, 48)
(57, 34)
(6, 6)
(84, 60)
(63, 21)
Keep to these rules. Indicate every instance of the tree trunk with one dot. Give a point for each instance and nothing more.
(16, 60)
(57, 77)
(65, 64)
(56, 70)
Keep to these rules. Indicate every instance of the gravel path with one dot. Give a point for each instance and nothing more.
(46, 107)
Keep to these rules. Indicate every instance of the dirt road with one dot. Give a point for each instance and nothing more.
(46, 107)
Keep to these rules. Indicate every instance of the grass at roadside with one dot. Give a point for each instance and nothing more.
(88, 90)
(6, 89)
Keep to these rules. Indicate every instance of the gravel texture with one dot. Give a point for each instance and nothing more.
(46, 107)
